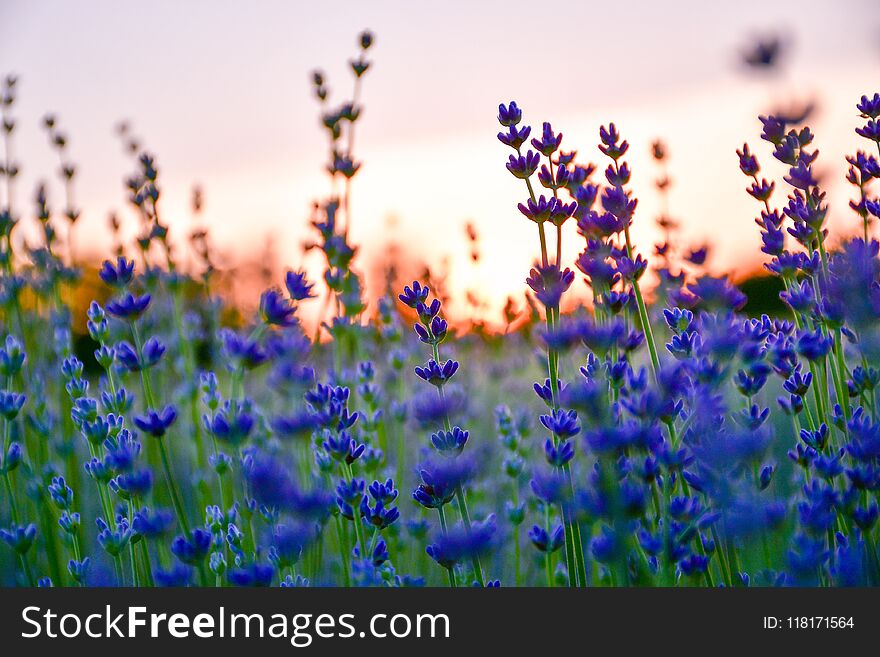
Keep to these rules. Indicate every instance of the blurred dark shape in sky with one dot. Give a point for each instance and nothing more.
(764, 52)
(797, 113)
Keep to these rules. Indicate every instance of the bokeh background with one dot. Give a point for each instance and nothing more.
(220, 92)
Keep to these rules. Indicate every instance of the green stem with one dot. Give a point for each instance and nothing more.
(459, 490)
(643, 313)
(343, 550)
(117, 569)
(373, 542)
(25, 566)
(176, 499)
(172, 487)
(358, 529)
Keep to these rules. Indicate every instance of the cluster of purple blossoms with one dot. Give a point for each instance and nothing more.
(683, 472)
(444, 473)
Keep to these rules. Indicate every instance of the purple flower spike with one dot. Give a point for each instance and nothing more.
(549, 284)
(156, 423)
(549, 142)
(128, 307)
(298, 286)
(515, 137)
(275, 310)
(869, 107)
(610, 146)
(871, 130)
(437, 374)
(414, 295)
(748, 163)
(523, 166)
(509, 115)
(117, 275)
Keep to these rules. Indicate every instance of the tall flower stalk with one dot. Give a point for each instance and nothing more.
(432, 330)
(548, 280)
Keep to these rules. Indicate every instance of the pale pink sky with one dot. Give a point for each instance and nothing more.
(220, 92)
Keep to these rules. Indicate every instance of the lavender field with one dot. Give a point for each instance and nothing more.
(639, 421)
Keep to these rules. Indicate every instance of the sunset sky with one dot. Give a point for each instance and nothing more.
(221, 93)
